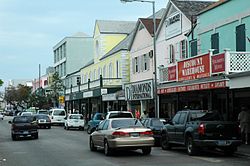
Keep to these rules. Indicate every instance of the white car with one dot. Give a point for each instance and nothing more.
(1, 115)
(26, 114)
(57, 116)
(74, 121)
(118, 114)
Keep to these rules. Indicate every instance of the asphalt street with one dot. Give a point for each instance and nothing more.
(59, 147)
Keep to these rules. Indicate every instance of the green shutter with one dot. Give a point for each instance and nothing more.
(215, 43)
(241, 38)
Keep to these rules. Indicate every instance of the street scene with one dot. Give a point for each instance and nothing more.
(57, 146)
(125, 82)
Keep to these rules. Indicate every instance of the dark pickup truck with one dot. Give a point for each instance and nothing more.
(24, 126)
(197, 129)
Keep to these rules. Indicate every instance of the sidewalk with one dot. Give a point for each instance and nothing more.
(243, 150)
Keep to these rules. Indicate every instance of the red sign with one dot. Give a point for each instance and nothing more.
(194, 68)
(172, 73)
(193, 87)
(218, 63)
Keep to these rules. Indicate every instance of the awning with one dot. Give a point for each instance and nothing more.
(213, 82)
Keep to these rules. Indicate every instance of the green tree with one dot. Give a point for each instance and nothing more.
(57, 88)
(19, 96)
(1, 82)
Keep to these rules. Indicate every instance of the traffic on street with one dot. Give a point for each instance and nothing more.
(57, 146)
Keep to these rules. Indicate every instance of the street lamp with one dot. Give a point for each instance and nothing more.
(154, 52)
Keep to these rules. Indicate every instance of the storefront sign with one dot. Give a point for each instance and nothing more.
(172, 73)
(173, 26)
(218, 63)
(139, 91)
(193, 87)
(194, 68)
(104, 91)
(109, 97)
(88, 94)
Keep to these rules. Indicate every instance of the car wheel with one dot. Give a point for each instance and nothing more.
(107, 150)
(92, 145)
(89, 130)
(36, 136)
(146, 150)
(49, 127)
(191, 149)
(230, 151)
(67, 128)
(14, 137)
(165, 145)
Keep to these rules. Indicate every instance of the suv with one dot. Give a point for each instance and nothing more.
(57, 116)
(118, 114)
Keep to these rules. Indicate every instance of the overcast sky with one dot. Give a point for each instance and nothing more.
(30, 28)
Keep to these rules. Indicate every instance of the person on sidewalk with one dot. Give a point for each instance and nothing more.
(244, 119)
(144, 115)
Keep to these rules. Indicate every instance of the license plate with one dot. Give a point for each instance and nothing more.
(25, 132)
(223, 143)
(134, 134)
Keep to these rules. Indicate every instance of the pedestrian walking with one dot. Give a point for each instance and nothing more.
(137, 114)
(144, 115)
(244, 119)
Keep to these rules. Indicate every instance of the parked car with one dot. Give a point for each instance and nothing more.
(97, 118)
(74, 121)
(156, 125)
(43, 121)
(121, 133)
(23, 126)
(118, 114)
(197, 129)
(26, 113)
(57, 116)
(46, 112)
(1, 115)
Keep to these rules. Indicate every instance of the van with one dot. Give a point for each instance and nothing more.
(57, 116)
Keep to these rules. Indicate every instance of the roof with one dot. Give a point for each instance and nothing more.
(119, 27)
(88, 64)
(214, 5)
(123, 45)
(159, 13)
(149, 24)
(191, 8)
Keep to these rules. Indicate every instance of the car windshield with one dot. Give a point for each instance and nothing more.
(75, 117)
(59, 112)
(23, 119)
(42, 117)
(120, 115)
(157, 122)
(26, 113)
(126, 123)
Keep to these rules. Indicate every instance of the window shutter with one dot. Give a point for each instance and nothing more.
(177, 51)
(215, 42)
(193, 45)
(241, 38)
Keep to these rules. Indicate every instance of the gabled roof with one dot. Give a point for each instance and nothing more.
(118, 27)
(191, 8)
(159, 13)
(214, 5)
(123, 45)
(149, 24)
(188, 8)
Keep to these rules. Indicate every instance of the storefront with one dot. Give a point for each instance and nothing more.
(139, 96)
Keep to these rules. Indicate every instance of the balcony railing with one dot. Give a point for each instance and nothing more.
(101, 82)
(238, 62)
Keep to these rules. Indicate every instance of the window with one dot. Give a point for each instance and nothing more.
(182, 118)
(90, 76)
(106, 125)
(215, 43)
(54, 56)
(94, 75)
(241, 38)
(99, 72)
(101, 125)
(136, 65)
(97, 48)
(104, 71)
(117, 69)
(193, 47)
(65, 68)
(145, 61)
(184, 49)
(171, 54)
(176, 118)
(110, 70)
(64, 50)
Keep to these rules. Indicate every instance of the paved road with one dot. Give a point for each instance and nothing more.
(58, 147)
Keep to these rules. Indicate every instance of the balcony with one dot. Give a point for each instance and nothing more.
(238, 61)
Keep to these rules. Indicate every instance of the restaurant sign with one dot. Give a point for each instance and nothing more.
(193, 87)
(139, 91)
(218, 63)
(194, 68)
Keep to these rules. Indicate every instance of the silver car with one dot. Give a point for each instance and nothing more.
(121, 133)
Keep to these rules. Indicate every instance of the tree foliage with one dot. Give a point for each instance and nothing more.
(57, 87)
(19, 96)
(1, 82)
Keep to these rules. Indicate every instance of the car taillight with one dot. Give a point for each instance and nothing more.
(201, 129)
(146, 133)
(120, 134)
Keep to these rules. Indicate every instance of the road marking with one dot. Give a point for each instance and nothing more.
(212, 160)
